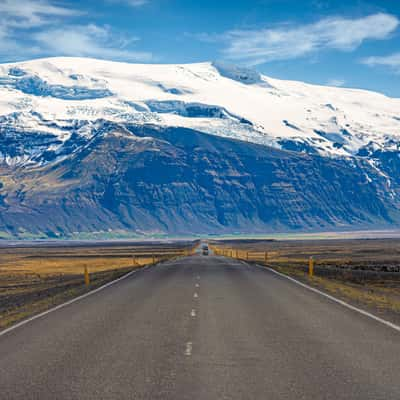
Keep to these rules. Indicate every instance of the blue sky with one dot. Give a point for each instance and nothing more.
(350, 43)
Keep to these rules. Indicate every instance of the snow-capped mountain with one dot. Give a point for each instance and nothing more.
(57, 97)
(95, 146)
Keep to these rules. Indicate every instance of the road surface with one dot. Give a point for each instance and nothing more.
(201, 328)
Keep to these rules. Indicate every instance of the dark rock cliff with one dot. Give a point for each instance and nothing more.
(145, 179)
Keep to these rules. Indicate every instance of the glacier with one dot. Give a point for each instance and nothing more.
(90, 145)
(214, 98)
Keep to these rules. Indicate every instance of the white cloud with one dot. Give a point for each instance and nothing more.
(44, 28)
(391, 61)
(336, 82)
(88, 41)
(290, 42)
(32, 13)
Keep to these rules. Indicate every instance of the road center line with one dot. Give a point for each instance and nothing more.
(195, 295)
(188, 349)
(193, 313)
(197, 285)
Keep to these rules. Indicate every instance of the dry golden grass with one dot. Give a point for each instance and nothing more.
(337, 263)
(72, 266)
(71, 261)
(383, 296)
(33, 279)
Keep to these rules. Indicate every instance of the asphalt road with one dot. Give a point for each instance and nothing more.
(201, 328)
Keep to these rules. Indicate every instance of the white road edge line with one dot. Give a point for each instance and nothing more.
(67, 303)
(336, 300)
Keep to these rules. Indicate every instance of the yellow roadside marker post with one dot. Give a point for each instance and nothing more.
(311, 266)
(266, 257)
(86, 274)
(247, 255)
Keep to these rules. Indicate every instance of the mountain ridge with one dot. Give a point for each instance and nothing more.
(333, 121)
(90, 146)
(152, 180)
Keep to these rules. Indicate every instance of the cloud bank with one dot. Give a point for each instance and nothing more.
(290, 41)
(392, 61)
(36, 28)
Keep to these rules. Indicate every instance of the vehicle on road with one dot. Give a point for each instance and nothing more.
(205, 249)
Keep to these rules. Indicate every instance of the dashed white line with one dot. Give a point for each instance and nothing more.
(188, 349)
(195, 295)
(197, 285)
(193, 313)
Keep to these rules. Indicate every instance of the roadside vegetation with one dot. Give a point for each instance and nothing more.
(35, 278)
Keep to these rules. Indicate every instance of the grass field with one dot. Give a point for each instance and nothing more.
(365, 272)
(34, 278)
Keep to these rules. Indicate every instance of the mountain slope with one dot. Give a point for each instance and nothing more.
(175, 181)
(92, 146)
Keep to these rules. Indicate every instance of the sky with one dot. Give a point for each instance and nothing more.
(353, 43)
